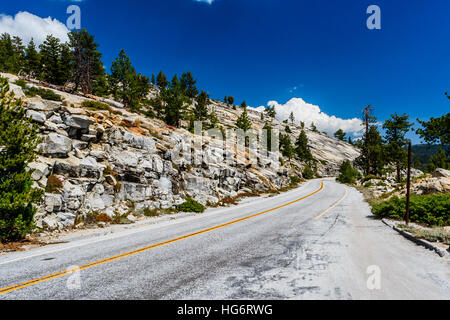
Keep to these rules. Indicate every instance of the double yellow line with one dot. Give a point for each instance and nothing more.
(130, 253)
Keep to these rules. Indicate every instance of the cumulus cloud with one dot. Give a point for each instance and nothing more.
(309, 113)
(27, 25)
(206, 1)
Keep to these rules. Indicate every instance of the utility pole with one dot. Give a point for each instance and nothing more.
(408, 184)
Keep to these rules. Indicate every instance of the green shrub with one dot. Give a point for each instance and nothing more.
(432, 210)
(95, 105)
(191, 206)
(347, 174)
(46, 94)
(308, 173)
(151, 212)
(295, 180)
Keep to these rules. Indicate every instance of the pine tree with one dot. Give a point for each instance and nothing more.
(313, 127)
(32, 61)
(302, 148)
(292, 117)
(286, 147)
(188, 86)
(396, 129)
(88, 71)
(436, 130)
(368, 120)
(173, 107)
(6, 53)
(200, 109)
(372, 144)
(230, 100)
(161, 80)
(127, 86)
(267, 134)
(175, 85)
(51, 61)
(243, 122)
(270, 112)
(153, 79)
(65, 71)
(19, 55)
(18, 141)
(340, 135)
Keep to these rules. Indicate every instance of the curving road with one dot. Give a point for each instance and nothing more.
(315, 242)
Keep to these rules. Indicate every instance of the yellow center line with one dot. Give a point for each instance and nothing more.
(127, 254)
(332, 207)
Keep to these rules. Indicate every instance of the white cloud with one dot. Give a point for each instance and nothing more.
(206, 1)
(309, 113)
(26, 26)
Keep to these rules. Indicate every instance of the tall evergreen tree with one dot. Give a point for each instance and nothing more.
(372, 144)
(19, 55)
(340, 135)
(302, 148)
(396, 129)
(286, 148)
(200, 109)
(87, 68)
(173, 107)
(51, 61)
(6, 53)
(188, 85)
(436, 130)
(243, 122)
(18, 141)
(161, 80)
(292, 117)
(32, 61)
(127, 86)
(368, 119)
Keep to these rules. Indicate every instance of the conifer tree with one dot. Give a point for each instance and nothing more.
(292, 117)
(340, 135)
(286, 148)
(87, 68)
(18, 143)
(51, 61)
(32, 61)
(188, 85)
(396, 129)
(200, 109)
(161, 80)
(302, 148)
(243, 122)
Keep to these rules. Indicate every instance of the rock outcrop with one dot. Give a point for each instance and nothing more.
(106, 159)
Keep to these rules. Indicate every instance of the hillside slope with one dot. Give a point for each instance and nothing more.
(114, 162)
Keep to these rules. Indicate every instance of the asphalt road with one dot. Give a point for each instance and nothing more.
(323, 246)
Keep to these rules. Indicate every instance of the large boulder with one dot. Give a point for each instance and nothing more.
(441, 173)
(36, 116)
(79, 121)
(39, 170)
(56, 145)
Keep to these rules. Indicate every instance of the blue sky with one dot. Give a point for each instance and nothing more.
(276, 50)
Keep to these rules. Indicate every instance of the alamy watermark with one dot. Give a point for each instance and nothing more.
(374, 20)
(74, 20)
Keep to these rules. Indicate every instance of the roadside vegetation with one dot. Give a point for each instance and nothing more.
(18, 142)
(430, 210)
